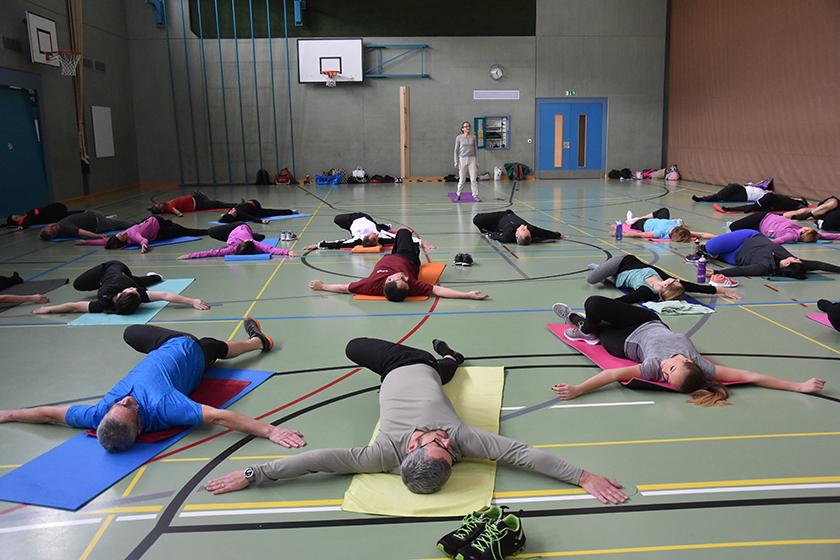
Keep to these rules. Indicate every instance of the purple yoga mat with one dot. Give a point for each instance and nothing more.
(465, 197)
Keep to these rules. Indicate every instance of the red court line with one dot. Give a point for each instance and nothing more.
(11, 509)
(774, 289)
(509, 251)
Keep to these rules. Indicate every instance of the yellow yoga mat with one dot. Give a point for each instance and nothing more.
(476, 393)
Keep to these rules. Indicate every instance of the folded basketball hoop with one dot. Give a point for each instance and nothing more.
(330, 74)
(68, 59)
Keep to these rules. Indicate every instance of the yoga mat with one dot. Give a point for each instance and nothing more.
(476, 393)
(465, 197)
(30, 289)
(57, 239)
(605, 360)
(429, 272)
(821, 318)
(75, 472)
(254, 257)
(272, 218)
(29, 226)
(173, 241)
(360, 249)
(812, 277)
(144, 313)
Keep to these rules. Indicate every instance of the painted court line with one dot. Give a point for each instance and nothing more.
(257, 511)
(136, 517)
(775, 487)
(602, 404)
(50, 525)
(543, 499)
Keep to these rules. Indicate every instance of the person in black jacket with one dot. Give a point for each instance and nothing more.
(39, 216)
(252, 211)
(507, 227)
(756, 255)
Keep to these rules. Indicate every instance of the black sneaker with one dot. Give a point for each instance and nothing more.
(466, 259)
(501, 538)
(443, 349)
(459, 258)
(471, 527)
(252, 327)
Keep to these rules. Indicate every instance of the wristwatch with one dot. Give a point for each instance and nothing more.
(249, 475)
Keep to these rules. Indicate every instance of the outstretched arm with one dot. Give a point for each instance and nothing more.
(440, 291)
(634, 233)
(568, 392)
(702, 235)
(177, 298)
(319, 286)
(91, 235)
(813, 385)
(36, 415)
(77, 307)
(37, 298)
(246, 425)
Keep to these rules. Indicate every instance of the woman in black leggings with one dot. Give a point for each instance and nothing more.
(637, 334)
(382, 357)
(252, 211)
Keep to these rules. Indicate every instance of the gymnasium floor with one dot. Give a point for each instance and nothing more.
(758, 479)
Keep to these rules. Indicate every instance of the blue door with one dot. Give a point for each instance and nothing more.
(23, 183)
(571, 140)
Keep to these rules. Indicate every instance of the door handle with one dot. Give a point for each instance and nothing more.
(567, 145)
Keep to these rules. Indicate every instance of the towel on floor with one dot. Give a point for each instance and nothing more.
(678, 307)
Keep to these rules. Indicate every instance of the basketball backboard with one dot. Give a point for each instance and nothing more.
(42, 38)
(316, 56)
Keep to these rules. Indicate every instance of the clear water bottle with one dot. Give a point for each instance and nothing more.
(618, 232)
(701, 270)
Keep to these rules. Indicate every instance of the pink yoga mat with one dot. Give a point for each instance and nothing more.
(820, 318)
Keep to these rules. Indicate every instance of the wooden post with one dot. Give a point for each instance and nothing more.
(405, 134)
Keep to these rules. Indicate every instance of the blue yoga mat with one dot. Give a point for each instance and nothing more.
(254, 257)
(283, 217)
(144, 313)
(173, 241)
(112, 232)
(78, 470)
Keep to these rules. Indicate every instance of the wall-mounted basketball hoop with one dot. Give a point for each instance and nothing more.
(330, 74)
(68, 59)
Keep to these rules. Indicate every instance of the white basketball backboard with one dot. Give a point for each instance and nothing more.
(316, 56)
(42, 38)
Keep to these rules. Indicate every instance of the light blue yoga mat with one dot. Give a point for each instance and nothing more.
(78, 470)
(144, 313)
(283, 217)
(173, 241)
(811, 278)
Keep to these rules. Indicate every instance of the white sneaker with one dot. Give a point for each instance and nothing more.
(154, 274)
(679, 221)
(629, 216)
(577, 334)
(284, 236)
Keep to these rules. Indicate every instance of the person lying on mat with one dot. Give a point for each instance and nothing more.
(90, 223)
(240, 241)
(153, 228)
(780, 229)
(659, 225)
(733, 192)
(649, 283)
(48, 214)
(395, 276)
(637, 334)
(365, 231)
(826, 214)
(117, 292)
(756, 255)
(770, 202)
(153, 396)
(507, 227)
(420, 436)
(195, 202)
(252, 211)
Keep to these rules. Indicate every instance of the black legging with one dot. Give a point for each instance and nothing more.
(770, 202)
(404, 245)
(204, 202)
(613, 321)
(91, 280)
(733, 192)
(344, 221)
(252, 211)
(383, 357)
(753, 221)
(170, 230)
(661, 214)
(145, 338)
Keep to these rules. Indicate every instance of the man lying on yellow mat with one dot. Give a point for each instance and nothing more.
(420, 434)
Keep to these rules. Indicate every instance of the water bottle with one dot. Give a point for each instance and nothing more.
(618, 231)
(701, 270)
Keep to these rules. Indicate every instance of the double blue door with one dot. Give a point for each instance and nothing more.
(571, 138)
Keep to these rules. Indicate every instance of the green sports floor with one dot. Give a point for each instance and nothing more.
(758, 479)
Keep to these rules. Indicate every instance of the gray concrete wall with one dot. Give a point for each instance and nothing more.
(105, 40)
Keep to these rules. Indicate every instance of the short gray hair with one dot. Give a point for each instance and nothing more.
(116, 436)
(424, 475)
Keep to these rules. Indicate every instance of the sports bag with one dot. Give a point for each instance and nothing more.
(359, 173)
(284, 177)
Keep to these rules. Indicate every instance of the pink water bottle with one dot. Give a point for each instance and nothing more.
(701, 270)
(618, 232)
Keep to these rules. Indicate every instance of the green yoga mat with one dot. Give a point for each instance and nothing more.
(143, 315)
(476, 393)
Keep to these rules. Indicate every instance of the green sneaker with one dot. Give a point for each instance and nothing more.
(501, 538)
(472, 526)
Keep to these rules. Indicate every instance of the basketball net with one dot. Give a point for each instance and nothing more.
(68, 59)
(330, 74)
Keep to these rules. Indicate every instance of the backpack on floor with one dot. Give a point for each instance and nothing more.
(451, 178)
(517, 171)
(614, 174)
(263, 178)
(626, 173)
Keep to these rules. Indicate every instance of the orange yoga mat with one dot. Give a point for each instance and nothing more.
(429, 272)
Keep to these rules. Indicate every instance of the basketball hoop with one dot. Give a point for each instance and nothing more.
(330, 74)
(68, 59)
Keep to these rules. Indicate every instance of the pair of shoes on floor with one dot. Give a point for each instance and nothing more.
(694, 257)
(721, 281)
(252, 327)
(487, 534)
(463, 259)
(565, 312)
(444, 350)
(287, 235)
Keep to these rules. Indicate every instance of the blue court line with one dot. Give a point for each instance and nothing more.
(504, 256)
(530, 409)
(61, 265)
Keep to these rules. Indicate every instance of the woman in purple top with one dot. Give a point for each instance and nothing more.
(780, 229)
(240, 241)
(154, 228)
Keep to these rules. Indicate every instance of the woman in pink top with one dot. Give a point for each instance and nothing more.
(154, 228)
(780, 229)
(240, 241)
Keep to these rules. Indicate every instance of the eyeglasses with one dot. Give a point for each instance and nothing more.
(439, 444)
(130, 406)
(465, 126)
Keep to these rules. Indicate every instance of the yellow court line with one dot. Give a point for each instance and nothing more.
(731, 483)
(252, 505)
(126, 509)
(9, 466)
(683, 547)
(134, 481)
(96, 538)
(678, 440)
(791, 330)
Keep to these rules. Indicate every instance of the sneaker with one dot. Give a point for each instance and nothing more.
(476, 199)
(155, 274)
(443, 349)
(458, 197)
(252, 327)
(290, 235)
(629, 217)
(295, 211)
(471, 527)
(467, 260)
(722, 281)
(577, 334)
(284, 236)
(500, 538)
(680, 221)
(693, 257)
(459, 258)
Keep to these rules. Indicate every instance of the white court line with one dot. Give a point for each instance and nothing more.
(50, 525)
(601, 404)
(740, 489)
(257, 511)
(545, 499)
(137, 517)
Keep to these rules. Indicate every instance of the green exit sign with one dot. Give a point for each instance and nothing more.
(570, 93)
